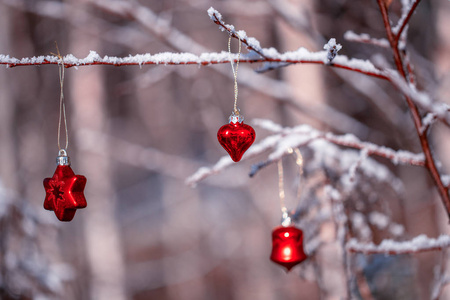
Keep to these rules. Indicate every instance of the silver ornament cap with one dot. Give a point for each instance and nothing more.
(286, 219)
(62, 159)
(236, 117)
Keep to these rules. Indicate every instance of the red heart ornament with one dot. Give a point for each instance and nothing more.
(287, 247)
(236, 138)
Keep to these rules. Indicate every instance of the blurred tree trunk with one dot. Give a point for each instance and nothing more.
(7, 115)
(102, 239)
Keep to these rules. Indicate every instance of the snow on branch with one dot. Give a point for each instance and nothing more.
(257, 54)
(167, 58)
(347, 140)
(271, 55)
(408, 8)
(366, 39)
(252, 43)
(284, 139)
(420, 243)
(437, 109)
(332, 49)
(94, 58)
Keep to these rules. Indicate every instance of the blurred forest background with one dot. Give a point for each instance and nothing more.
(137, 133)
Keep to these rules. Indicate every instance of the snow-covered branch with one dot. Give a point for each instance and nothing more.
(420, 243)
(408, 8)
(284, 139)
(401, 65)
(301, 55)
(94, 58)
(365, 38)
(347, 140)
(251, 43)
(438, 110)
(167, 58)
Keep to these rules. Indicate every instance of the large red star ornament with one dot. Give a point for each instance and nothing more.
(64, 193)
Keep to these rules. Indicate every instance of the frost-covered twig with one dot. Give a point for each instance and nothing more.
(427, 121)
(332, 49)
(365, 38)
(340, 220)
(420, 243)
(252, 43)
(354, 167)
(437, 290)
(347, 140)
(441, 279)
(438, 109)
(407, 13)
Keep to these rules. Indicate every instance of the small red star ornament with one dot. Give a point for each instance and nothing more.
(236, 137)
(64, 191)
(287, 247)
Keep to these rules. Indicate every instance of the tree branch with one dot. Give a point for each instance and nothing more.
(430, 164)
(404, 20)
(420, 243)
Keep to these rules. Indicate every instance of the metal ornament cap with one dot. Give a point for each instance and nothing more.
(236, 137)
(62, 159)
(287, 247)
(64, 191)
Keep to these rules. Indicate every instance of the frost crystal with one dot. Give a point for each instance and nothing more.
(332, 49)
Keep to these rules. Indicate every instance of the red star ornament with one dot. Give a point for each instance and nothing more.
(64, 193)
(287, 247)
(236, 137)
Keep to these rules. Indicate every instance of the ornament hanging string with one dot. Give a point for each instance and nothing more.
(235, 109)
(281, 193)
(286, 220)
(62, 106)
(299, 162)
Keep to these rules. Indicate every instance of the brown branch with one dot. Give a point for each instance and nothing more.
(28, 62)
(430, 164)
(70, 65)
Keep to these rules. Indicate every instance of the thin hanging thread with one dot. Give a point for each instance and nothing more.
(281, 192)
(281, 187)
(62, 105)
(236, 111)
(299, 162)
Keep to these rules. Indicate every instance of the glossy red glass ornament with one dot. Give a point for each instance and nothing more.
(64, 193)
(236, 138)
(287, 247)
